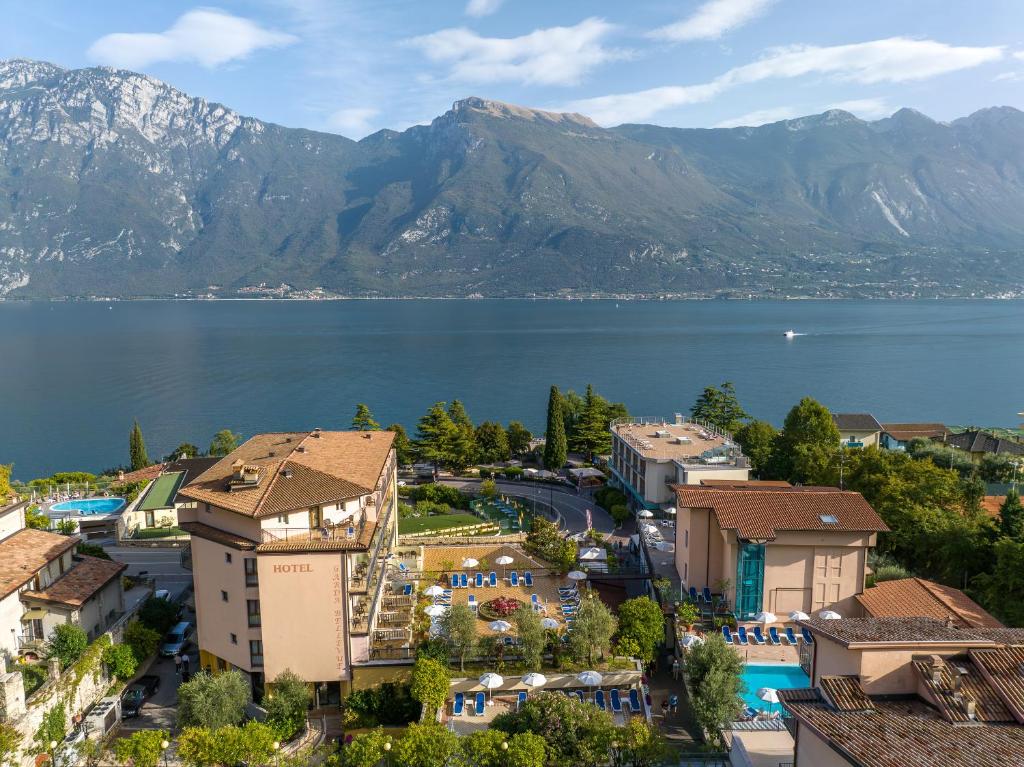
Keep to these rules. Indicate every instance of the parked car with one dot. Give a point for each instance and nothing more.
(138, 692)
(176, 640)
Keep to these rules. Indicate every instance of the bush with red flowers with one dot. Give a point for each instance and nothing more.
(500, 607)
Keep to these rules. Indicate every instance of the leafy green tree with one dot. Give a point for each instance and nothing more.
(715, 672)
(198, 747)
(720, 408)
(488, 488)
(224, 442)
(53, 727)
(808, 446)
(642, 620)
(67, 527)
(159, 614)
(591, 631)
(531, 635)
(525, 749)
(363, 419)
(141, 639)
(365, 750)
(141, 748)
(35, 519)
(464, 450)
(757, 439)
(120, 661)
(495, 748)
(5, 482)
(591, 435)
(556, 449)
(492, 442)
(10, 745)
(137, 448)
(457, 412)
(518, 437)
(430, 683)
(459, 625)
(1000, 589)
(287, 704)
(68, 642)
(184, 450)
(426, 745)
(572, 412)
(213, 701)
(404, 451)
(641, 744)
(1011, 516)
(252, 743)
(575, 734)
(435, 436)
(92, 550)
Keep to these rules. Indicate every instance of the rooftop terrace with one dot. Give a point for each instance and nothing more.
(663, 440)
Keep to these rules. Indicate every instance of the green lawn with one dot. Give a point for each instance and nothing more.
(161, 493)
(159, 532)
(439, 522)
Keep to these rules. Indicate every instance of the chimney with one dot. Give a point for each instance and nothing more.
(287, 473)
(236, 468)
(936, 669)
(970, 708)
(958, 677)
(950, 623)
(300, 449)
(316, 433)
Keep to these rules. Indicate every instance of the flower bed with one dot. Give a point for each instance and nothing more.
(499, 608)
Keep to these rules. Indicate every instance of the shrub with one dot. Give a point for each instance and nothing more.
(430, 683)
(287, 703)
(513, 472)
(141, 749)
(501, 607)
(142, 639)
(619, 512)
(213, 701)
(92, 550)
(159, 614)
(120, 661)
(388, 704)
(68, 642)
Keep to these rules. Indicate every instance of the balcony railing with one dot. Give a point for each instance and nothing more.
(339, 533)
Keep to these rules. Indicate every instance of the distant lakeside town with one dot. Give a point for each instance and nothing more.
(698, 586)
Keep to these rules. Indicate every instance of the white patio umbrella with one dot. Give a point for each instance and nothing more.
(829, 615)
(691, 640)
(491, 681)
(591, 553)
(503, 560)
(436, 610)
(500, 626)
(589, 678)
(433, 591)
(670, 512)
(576, 575)
(470, 562)
(769, 695)
(799, 615)
(535, 679)
(645, 514)
(549, 623)
(766, 617)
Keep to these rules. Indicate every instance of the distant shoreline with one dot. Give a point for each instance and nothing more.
(567, 299)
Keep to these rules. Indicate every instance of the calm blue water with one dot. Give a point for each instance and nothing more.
(73, 376)
(777, 676)
(90, 505)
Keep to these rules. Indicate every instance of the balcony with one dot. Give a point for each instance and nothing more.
(326, 538)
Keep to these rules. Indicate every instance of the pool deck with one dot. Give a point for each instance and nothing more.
(766, 654)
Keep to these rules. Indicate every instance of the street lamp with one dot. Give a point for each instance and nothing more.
(53, 752)
(615, 753)
(163, 750)
(276, 745)
(387, 753)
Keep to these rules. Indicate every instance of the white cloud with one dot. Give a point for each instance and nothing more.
(1008, 77)
(759, 117)
(866, 109)
(713, 19)
(1019, 55)
(206, 36)
(552, 56)
(478, 8)
(894, 60)
(354, 122)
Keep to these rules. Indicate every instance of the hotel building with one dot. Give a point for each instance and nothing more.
(650, 455)
(291, 537)
(776, 549)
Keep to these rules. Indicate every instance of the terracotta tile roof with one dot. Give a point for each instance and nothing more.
(139, 475)
(905, 432)
(313, 541)
(909, 631)
(296, 470)
(916, 597)
(952, 703)
(976, 441)
(754, 483)
(1004, 669)
(761, 513)
(26, 552)
(217, 535)
(908, 733)
(856, 422)
(80, 583)
(991, 504)
(845, 693)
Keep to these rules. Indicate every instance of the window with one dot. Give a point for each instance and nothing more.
(686, 571)
(282, 519)
(227, 557)
(234, 639)
(252, 578)
(829, 519)
(686, 539)
(253, 608)
(223, 596)
(749, 580)
(256, 653)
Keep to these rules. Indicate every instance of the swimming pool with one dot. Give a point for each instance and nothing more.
(778, 676)
(88, 506)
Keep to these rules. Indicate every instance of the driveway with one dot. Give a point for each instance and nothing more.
(160, 711)
(161, 564)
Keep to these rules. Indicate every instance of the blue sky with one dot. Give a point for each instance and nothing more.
(354, 67)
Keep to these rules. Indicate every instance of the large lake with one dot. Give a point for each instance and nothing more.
(73, 376)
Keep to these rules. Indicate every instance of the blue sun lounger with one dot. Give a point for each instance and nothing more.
(727, 635)
(455, 580)
(742, 632)
(459, 705)
(528, 577)
(807, 636)
(407, 590)
(616, 698)
(463, 581)
(758, 636)
(479, 580)
(707, 595)
(493, 579)
(579, 694)
(480, 700)
(693, 594)
(634, 701)
(599, 700)
(791, 637)
(773, 636)
(521, 699)
(514, 578)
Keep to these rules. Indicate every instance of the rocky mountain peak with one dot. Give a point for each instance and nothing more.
(491, 108)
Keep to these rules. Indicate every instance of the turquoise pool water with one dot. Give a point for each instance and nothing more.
(90, 506)
(778, 676)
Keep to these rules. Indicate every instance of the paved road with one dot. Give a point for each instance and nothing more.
(571, 505)
(162, 564)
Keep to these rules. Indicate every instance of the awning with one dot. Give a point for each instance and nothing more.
(34, 614)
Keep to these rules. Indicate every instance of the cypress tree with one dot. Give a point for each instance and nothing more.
(1011, 516)
(137, 448)
(555, 449)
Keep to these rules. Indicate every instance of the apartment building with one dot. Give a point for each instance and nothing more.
(915, 692)
(777, 549)
(649, 455)
(291, 536)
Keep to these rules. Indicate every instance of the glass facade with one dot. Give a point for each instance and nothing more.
(749, 580)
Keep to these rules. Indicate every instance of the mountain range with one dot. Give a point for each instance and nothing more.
(114, 184)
